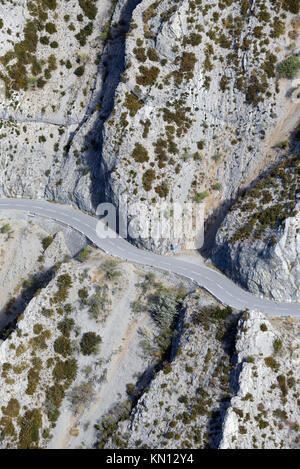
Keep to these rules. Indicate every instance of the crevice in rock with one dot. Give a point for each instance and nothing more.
(15, 308)
(216, 421)
(111, 67)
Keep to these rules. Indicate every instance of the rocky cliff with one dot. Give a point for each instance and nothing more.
(195, 111)
(50, 55)
(84, 131)
(258, 243)
(230, 386)
(265, 412)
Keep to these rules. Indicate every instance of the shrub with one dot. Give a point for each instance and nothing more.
(84, 254)
(84, 33)
(148, 178)
(83, 294)
(66, 326)
(65, 371)
(282, 384)
(109, 267)
(89, 343)
(272, 363)
(5, 228)
(54, 397)
(148, 76)
(162, 190)
(64, 282)
(79, 71)
(152, 55)
(80, 395)
(140, 154)
(130, 388)
(132, 103)
(188, 62)
(277, 345)
(289, 68)
(30, 425)
(47, 241)
(33, 380)
(12, 409)
(201, 196)
(50, 28)
(62, 345)
(291, 5)
(7, 427)
(89, 8)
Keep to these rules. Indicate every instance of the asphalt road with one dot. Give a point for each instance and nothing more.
(213, 281)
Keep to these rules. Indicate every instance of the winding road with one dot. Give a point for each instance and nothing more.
(211, 280)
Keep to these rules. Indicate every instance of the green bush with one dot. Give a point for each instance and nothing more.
(89, 7)
(50, 28)
(291, 5)
(272, 363)
(62, 345)
(110, 269)
(12, 409)
(66, 326)
(201, 196)
(89, 343)
(289, 68)
(79, 71)
(30, 425)
(5, 228)
(47, 242)
(148, 76)
(65, 371)
(148, 178)
(277, 345)
(140, 154)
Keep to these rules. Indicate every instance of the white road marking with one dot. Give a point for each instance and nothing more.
(240, 296)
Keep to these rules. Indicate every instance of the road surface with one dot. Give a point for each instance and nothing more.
(213, 281)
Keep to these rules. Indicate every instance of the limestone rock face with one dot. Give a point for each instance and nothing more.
(259, 408)
(258, 243)
(265, 413)
(264, 270)
(24, 256)
(46, 97)
(192, 115)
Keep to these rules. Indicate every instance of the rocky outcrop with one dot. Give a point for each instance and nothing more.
(250, 402)
(50, 55)
(186, 401)
(27, 253)
(194, 106)
(77, 350)
(265, 411)
(207, 82)
(258, 244)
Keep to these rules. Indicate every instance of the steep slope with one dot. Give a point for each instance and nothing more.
(50, 54)
(265, 413)
(258, 243)
(238, 390)
(185, 403)
(196, 105)
(80, 346)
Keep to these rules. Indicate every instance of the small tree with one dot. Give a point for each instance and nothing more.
(47, 242)
(6, 228)
(89, 343)
(289, 68)
(109, 268)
